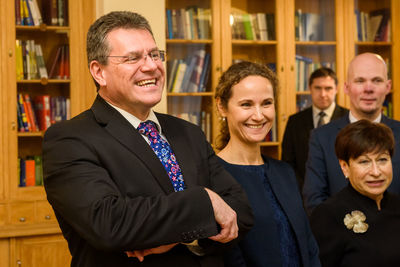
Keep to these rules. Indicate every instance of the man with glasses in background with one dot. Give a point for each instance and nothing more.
(130, 186)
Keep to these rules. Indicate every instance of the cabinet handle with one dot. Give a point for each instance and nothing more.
(19, 262)
(10, 53)
(22, 219)
(47, 217)
(13, 125)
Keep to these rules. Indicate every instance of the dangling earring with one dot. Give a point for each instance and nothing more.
(223, 118)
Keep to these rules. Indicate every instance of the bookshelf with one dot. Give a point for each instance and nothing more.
(267, 49)
(191, 30)
(377, 35)
(24, 211)
(332, 42)
(316, 40)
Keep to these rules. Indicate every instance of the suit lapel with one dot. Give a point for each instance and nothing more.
(118, 127)
(283, 196)
(309, 122)
(179, 146)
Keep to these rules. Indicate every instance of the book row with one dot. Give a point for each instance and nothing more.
(190, 109)
(30, 171)
(190, 74)
(30, 64)
(257, 26)
(304, 67)
(28, 12)
(373, 26)
(188, 23)
(309, 27)
(40, 112)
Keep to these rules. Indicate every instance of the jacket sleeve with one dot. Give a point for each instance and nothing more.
(315, 189)
(127, 211)
(288, 153)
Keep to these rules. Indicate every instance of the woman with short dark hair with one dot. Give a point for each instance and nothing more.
(359, 226)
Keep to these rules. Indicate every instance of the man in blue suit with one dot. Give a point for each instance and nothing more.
(367, 86)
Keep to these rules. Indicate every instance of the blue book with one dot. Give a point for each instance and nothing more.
(169, 24)
(204, 75)
(22, 172)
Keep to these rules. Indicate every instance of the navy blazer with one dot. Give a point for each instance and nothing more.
(324, 177)
(283, 184)
(111, 193)
(296, 137)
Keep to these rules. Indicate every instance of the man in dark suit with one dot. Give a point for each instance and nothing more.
(116, 202)
(323, 88)
(367, 85)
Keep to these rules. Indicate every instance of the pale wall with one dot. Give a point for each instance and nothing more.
(153, 11)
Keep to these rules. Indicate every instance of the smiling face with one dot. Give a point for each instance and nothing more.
(367, 86)
(370, 174)
(250, 111)
(323, 92)
(132, 86)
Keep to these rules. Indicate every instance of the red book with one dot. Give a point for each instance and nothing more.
(42, 105)
(28, 116)
(31, 113)
(50, 12)
(30, 172)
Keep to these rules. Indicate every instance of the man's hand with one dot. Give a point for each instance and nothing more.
(140, 254)
(225, 217)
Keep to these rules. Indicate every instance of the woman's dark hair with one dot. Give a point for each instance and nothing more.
(232, 76)
(363, 137)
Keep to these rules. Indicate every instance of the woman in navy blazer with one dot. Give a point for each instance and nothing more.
(281, 235)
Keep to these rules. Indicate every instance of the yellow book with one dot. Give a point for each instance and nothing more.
(18, 56)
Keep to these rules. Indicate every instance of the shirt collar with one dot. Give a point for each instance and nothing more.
(329, 111)
(354, 119)
(134, 121)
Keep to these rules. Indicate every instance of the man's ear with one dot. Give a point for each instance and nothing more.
(97, 71)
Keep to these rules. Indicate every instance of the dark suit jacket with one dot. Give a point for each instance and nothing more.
(340, 247)
(252, 249)
(296, 137)
(111, 193)
(324, 177)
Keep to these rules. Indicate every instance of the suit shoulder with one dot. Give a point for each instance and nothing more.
(74, 125)
(174, 121)
(301, 115)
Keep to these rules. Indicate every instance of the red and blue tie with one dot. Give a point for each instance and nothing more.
(164, 152)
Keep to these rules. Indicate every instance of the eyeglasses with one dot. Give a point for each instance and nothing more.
(155, 55)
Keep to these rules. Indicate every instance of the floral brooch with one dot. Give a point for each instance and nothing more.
(356, 221)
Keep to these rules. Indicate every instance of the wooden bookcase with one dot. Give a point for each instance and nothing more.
(194, 104)
(336, 45)
(388, 48)
(27, 222)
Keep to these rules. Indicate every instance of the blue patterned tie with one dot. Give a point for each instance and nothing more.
(164, 152)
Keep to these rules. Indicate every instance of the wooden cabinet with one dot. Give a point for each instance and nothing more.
(47, 250)
(251, 45)
(383, 41)
(193, 61)
(310, 32)
(29, 232)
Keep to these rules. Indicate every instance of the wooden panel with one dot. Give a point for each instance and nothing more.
(22, 213)
(41, 251)
(4, 253)
(44, 212)
(3, 214)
